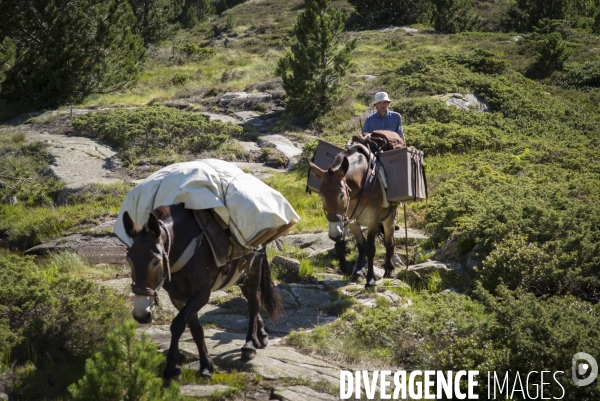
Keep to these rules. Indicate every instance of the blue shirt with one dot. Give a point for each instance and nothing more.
(392, 121)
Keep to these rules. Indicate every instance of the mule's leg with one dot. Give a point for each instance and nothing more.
(389, 226)
(206, 364)
(250, 291)
(358, 272)
(261, 333)
(178, 324)
(370, 251)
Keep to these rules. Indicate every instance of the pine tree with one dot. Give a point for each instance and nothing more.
(156, 18)
(195, 11)
(68, 49)
(125, 369)
(314, 67)
(453, 16)
(7, 57)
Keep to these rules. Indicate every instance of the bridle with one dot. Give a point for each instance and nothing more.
(166, 272)
(336, 218)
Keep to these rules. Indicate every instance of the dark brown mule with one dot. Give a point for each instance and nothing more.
(352, 198)
(158, 245)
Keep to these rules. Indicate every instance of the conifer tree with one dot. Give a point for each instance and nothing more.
(156, 18)
(453, 16)
(195, 11)
(68, 49)
(7, 57)
(314, 67)
(125, 369)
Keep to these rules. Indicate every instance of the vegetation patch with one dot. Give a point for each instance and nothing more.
(22, 180)
(50, 323)
(22, 226)
(155, 134)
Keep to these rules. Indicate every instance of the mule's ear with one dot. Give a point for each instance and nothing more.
(131, 229)
(317, 171)
(344, 167)
(153, 225)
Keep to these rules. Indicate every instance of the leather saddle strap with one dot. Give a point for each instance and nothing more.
(187, 254)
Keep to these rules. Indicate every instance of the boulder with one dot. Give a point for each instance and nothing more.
(78, 161)
(422, 269)
(466, 101)
(221, 117)
(288, 269)
(93, 248)
(314, 244)
(243, 100)
(249, 118)
(280, 143)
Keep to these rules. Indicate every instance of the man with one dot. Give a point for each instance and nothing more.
(383, 119)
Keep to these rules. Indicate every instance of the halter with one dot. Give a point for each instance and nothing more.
(185, 257)
(336, 218)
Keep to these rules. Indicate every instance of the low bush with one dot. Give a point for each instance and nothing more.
(153, 132)
(125, 369)
(52, 322)
(21, 172)
(512, 331)
(552, 50)
(24, 226)
(582, 75)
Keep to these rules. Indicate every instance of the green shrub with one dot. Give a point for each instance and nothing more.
(483, 61)
(48, 319)
(400, 12)
(153, 132)
(582, 75)
(552, 50)
(21, 164)
(453, 16)
(509, 332)
(193, 52)
(125, 369)
(25, 226)
(180, 78)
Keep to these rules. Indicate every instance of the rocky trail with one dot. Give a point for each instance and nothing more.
(290, 375)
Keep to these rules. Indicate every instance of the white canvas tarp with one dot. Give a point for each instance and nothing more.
(247, 205)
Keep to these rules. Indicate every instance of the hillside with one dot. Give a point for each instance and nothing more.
(512, 222)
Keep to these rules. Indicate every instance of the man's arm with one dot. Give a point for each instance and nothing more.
(400, 128)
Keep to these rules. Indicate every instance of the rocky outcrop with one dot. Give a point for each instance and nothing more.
(78, 161)
(466, 101)
(94, 248)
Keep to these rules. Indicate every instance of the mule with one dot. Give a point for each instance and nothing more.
(352, 197)
(158, 245)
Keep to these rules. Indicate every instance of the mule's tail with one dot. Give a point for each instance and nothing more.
(269, 296)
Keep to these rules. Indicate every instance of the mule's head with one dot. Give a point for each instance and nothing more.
(146, 257)
(335, 195)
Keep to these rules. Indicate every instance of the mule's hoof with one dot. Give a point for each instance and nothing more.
(371, 285)
(204, 374)
(264, 341)
(171, 374)
(248, 353)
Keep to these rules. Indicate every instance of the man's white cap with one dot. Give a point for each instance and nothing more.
(380, 97)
